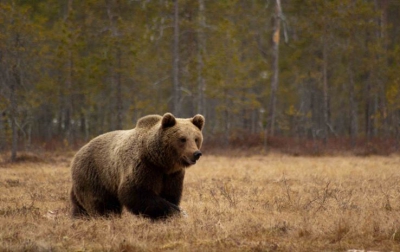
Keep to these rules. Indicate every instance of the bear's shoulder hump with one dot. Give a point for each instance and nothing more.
(148, 121)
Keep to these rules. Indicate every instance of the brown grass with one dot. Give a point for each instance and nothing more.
(248, 203)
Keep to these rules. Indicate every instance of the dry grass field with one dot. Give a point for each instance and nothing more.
(233, 202)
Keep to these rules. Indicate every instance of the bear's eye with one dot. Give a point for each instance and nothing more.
(182, 140)
(196, 140)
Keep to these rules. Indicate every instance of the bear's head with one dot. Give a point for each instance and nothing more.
(182, 139)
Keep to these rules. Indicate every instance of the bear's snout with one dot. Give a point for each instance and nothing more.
(197, 155)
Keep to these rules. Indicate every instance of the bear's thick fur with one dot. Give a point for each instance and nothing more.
(141, 169)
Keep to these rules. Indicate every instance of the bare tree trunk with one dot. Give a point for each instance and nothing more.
(227, 127)
(2, 129)
(116, 67)
(397, 131)
(15, 81)
(61, 106)
(68, 105)
(119, 90)
(176, 106)
(275, 65)
(13, 115)
(325, 90)
(353, 108)
(369, 111)
(383, 61)
(68, 81)
(200, 62)
(368, 94)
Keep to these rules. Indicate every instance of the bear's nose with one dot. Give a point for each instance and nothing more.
(197, 155)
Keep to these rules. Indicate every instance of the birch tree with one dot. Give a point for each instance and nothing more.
(275, 65)
(201, 47)
(176, 95)
(113, 7)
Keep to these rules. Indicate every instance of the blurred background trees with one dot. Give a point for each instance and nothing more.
(71, 70)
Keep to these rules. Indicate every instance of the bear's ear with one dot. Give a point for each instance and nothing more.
(168, 120)
(198, 120)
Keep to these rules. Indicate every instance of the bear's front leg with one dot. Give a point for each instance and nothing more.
(144, 202)
(173, 186)
(142, 199)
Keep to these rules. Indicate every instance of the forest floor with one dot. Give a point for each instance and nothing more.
(236, 202)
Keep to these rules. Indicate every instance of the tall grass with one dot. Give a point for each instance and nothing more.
(234, 203)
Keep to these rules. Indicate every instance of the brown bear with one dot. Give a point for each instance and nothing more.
(142, 168)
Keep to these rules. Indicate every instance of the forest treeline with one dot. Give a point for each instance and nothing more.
(305, 71)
